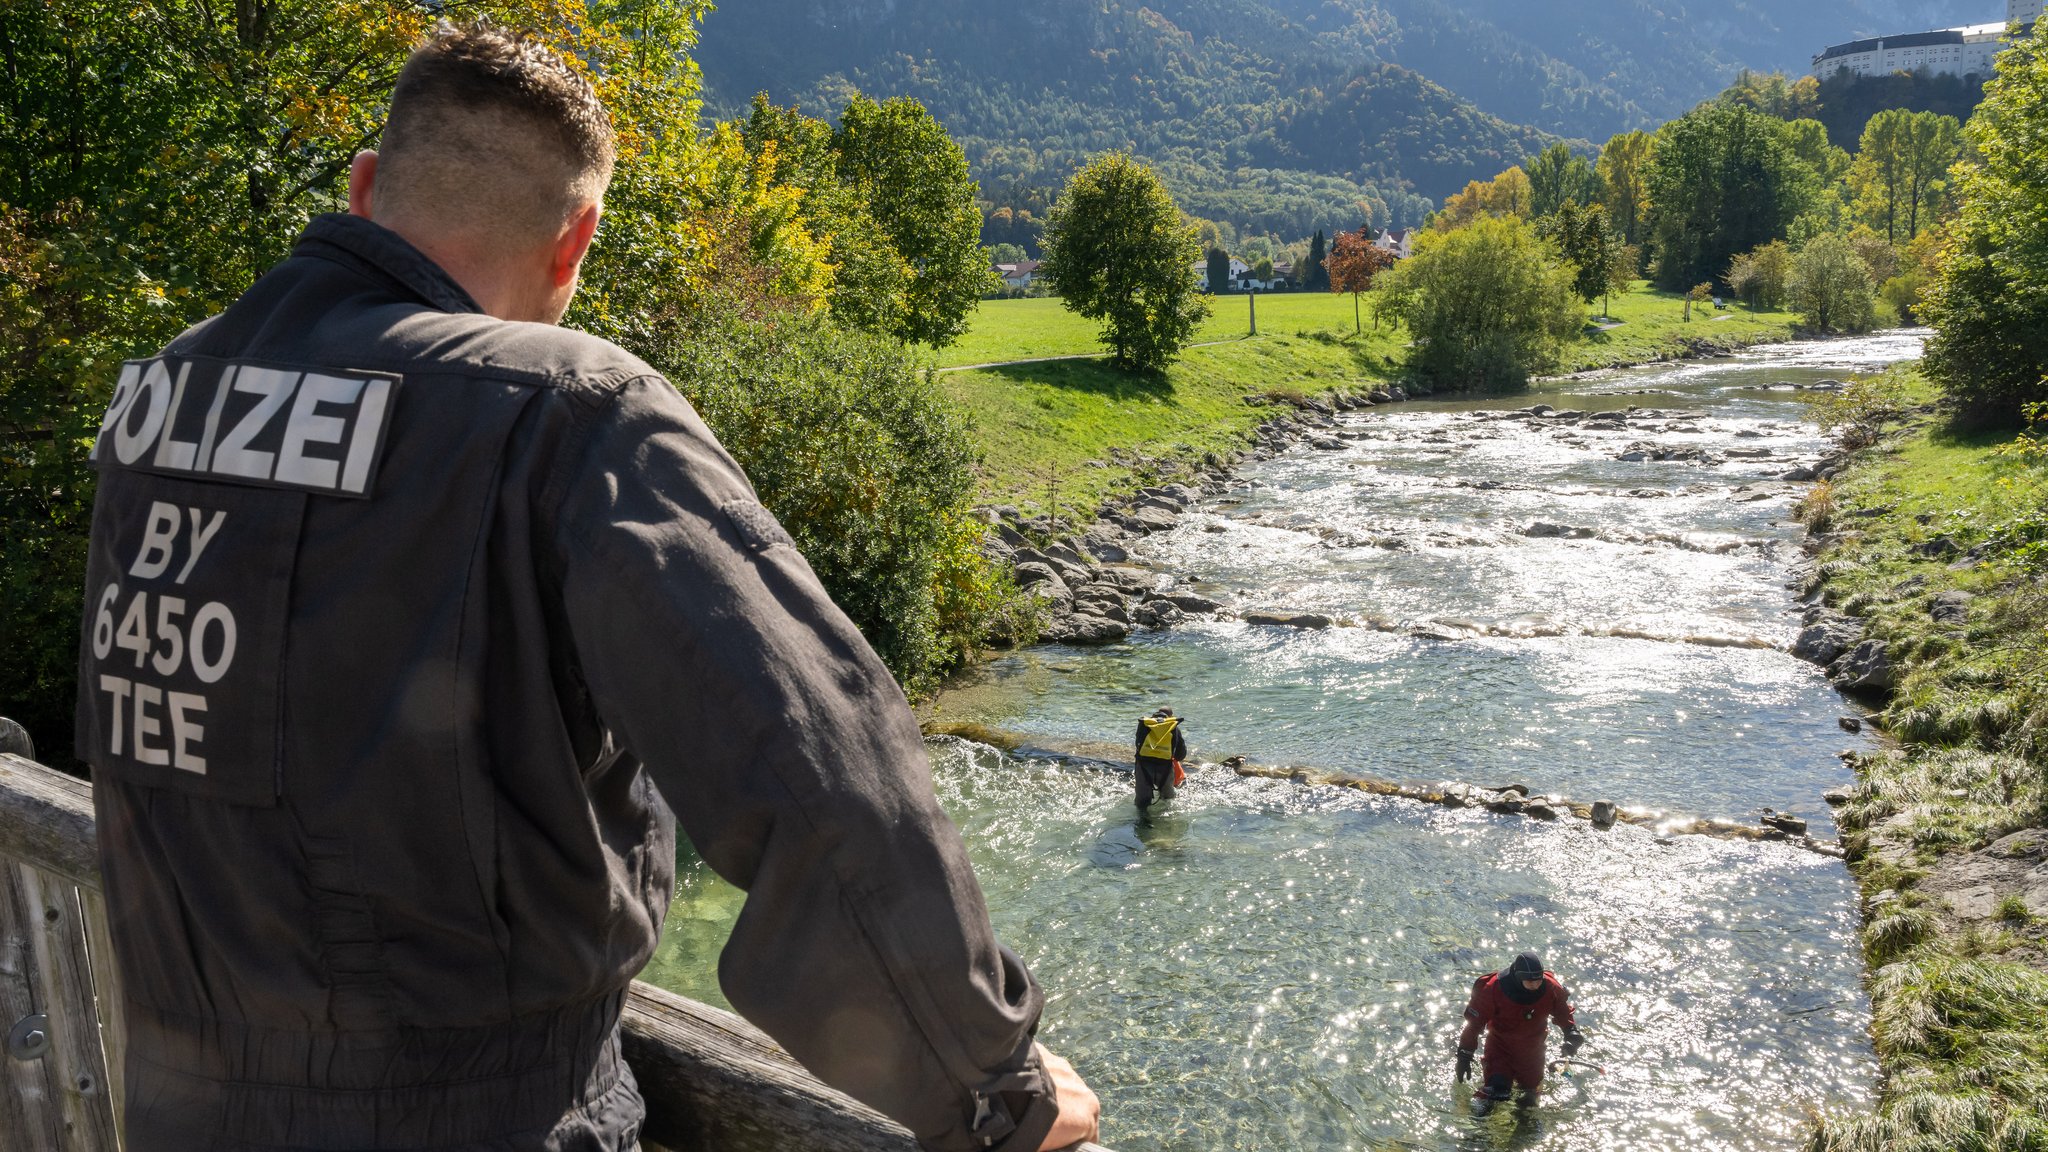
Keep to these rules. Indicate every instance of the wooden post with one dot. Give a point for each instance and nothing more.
(66, 1098)
(710, 1079)
(1252, 303)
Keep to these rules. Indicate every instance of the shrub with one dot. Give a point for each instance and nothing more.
(1488, 304)
(1831, 287)
(853, 448)
(1857, 414)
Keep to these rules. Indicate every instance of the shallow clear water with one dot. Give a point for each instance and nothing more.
(1277, 966)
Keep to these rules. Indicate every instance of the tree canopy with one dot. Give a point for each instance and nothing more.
(1989, 303)
(1118, 250)
(1721, 180)
(1488, 304)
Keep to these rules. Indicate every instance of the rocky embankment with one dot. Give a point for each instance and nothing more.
(1091, 595)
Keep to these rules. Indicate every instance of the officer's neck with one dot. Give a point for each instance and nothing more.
(508, 285)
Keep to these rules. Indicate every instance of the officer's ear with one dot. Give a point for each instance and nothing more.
(362, 177)
(573, 243)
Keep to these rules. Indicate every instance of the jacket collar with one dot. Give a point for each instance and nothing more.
(374, 249)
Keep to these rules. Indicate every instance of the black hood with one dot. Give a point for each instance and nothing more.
(1527, 966)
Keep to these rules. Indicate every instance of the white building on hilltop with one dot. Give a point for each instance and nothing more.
(1965, 51)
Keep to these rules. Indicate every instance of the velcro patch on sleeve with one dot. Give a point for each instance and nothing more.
(756, 525)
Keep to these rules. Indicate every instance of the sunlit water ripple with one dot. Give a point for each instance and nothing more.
(1274, 966)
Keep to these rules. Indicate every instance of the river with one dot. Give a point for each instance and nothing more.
(1273, 965)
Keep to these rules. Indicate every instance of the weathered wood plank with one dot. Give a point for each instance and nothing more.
(726, 1085)
(78, 1068)
(46, 820)
(28, 1108)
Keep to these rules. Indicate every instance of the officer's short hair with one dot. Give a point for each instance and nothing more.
(489, 126)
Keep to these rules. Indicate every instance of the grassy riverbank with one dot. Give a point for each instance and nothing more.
(1928, 540)
(1074, 431)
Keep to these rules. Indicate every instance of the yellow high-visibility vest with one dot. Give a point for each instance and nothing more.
(1158, 737)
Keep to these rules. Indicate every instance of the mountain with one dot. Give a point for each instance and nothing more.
(1280, 116)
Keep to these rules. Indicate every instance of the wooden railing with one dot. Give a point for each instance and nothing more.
(711, 1080)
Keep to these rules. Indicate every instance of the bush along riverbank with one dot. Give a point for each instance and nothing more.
(1929, 599)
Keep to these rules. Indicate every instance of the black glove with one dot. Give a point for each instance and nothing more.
(1572, 1042)
(1464, 1072)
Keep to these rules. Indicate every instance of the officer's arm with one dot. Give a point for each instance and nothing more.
(1180, 746)
(1138, 749)
(795, 766)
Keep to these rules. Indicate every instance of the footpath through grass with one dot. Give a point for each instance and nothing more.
(1074, 431)
(1934, 539)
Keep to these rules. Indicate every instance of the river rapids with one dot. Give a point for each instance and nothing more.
(1272, 965)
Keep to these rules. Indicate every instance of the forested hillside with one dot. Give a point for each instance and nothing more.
(1280, 116)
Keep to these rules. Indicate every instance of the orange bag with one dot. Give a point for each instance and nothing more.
(1180, 775)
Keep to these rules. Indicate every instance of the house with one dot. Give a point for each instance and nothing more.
(1238, 271)
(1399, 241)
(1019, 275)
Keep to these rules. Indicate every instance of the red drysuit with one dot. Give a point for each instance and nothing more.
(1515, 1033)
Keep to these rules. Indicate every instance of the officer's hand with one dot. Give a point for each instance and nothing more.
(1572, 1042)
(1080, 1115)
(1464, 1065)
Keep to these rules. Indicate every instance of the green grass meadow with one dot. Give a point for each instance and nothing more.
(1064, 431)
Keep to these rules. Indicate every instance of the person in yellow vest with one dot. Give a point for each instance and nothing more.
(1160, 751)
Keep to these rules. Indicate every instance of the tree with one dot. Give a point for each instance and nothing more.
(1697, 294)
(1831, 287)
(1586, 244)
(1900, 168)
(1355, 262)
(1263, 270)
(1117, 250)
(1624, 187)
(1722, 180)
(1507, 194)
(1488, 304)
(913, 180)
(1774, 94)
(1623, 261)
(1006, 254)
(1218, 271)
(1760, 276)
(1989, 304)
(869, 281)
(1559, 177)
(1317, 276)
(1916, 271)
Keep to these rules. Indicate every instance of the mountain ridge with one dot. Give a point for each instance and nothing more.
(1281, 116)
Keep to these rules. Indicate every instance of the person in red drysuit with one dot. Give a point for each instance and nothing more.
(1514, 1008)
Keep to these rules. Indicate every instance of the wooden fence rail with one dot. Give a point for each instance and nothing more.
(712, 1081)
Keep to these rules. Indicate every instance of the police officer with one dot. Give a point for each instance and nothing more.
(1515, 1009)
(412, 618)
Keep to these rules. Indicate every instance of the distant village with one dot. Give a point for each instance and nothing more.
(1021, 277)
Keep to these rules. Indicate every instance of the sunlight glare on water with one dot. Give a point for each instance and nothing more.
(1277, 966)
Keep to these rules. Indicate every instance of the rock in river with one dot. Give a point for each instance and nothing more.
(1081, 628)
(1824, 639)
(1864, 668)
(1288, 619)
